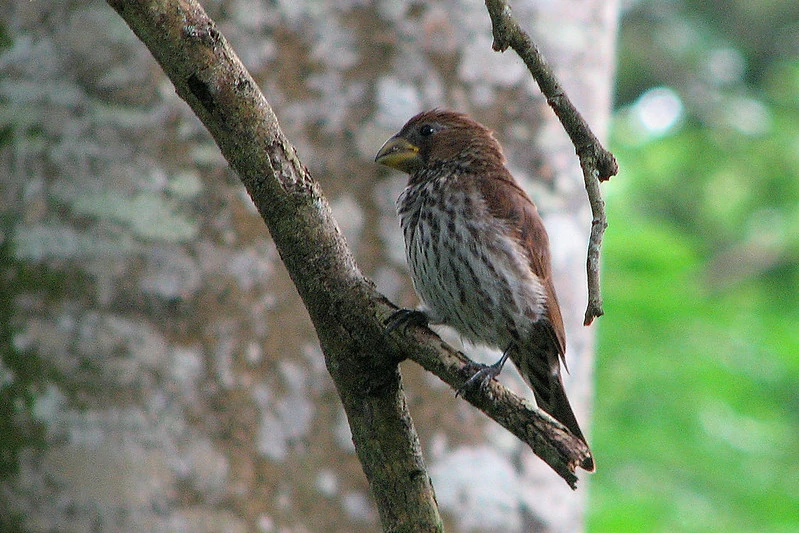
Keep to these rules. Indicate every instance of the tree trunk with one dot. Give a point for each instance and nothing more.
(159, 370)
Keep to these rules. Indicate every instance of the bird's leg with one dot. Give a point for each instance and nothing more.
(486, 373)
(406, 317)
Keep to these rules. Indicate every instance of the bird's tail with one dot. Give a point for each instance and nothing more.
(541, 369)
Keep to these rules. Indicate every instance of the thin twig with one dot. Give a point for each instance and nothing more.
(598, 164)
(598, 225)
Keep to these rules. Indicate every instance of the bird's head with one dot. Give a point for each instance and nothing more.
(440, 138)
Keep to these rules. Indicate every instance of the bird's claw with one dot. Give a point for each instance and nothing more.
(482, 377)
(405, 317)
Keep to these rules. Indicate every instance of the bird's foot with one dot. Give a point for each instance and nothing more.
(481, 378)
(405, 318)
(484, 375)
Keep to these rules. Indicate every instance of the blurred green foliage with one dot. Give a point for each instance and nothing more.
(696, 423)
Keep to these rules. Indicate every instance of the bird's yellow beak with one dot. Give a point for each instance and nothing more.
(400, 154)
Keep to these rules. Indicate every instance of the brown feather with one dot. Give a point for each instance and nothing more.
(507, 201)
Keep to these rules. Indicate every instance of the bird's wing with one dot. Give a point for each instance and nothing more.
(508, 202)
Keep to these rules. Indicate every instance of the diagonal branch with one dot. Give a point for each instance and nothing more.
(547, 437)
(598, 164)
(346, 310)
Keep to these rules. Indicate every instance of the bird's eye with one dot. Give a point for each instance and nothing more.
(426, 130)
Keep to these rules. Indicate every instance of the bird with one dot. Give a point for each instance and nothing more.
(478, 253)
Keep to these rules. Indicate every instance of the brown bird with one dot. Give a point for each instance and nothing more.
(479, 253)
